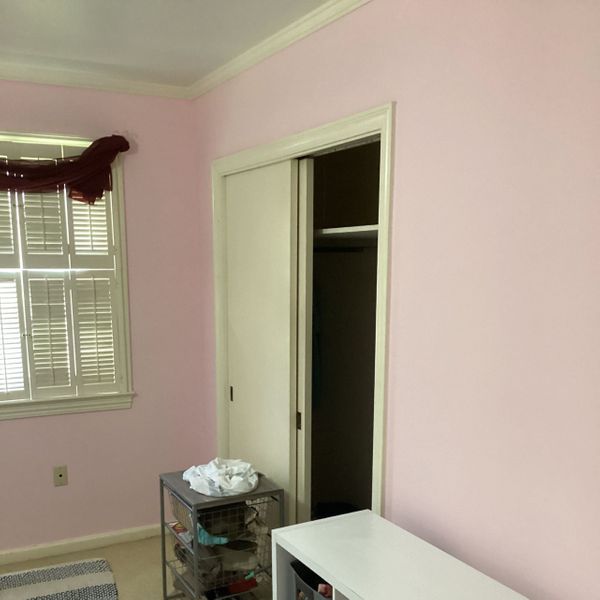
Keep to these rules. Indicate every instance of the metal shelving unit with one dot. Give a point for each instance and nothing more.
(230, 553)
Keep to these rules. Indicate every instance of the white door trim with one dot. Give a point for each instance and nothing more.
(377, 121)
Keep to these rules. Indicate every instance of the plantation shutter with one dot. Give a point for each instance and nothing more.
(50, 350)
(9, 257)
(42, 216)
(43, 230)
(96, 332)
(13, 376)
(92, 244)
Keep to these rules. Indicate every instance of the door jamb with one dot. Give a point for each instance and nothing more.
(376, 121)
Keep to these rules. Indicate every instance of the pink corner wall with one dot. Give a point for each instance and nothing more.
(493, 417)
(114, 457)
(493, 426)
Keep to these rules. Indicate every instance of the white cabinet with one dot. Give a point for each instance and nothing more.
(365, 557)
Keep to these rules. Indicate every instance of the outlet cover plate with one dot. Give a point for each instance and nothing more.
(61, 477)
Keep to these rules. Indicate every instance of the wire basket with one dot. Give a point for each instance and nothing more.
(233, 553)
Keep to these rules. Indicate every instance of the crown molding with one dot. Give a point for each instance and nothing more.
(88, 80)
(309, 23)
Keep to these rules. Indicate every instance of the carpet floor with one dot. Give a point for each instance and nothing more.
(135, 565)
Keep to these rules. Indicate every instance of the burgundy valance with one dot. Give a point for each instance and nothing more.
(86, 176)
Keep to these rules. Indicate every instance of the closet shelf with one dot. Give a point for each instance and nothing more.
(357, 232)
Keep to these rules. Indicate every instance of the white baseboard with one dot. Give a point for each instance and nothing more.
(88, 542)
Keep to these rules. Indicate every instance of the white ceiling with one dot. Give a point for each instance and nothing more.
(158, 42)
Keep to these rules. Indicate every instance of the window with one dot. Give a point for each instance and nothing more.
(64, 332)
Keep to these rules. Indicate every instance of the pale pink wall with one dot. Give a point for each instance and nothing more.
(493, 448)
(114, 457)
(493, 430)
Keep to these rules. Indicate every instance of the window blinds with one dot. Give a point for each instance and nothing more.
(61, 301)
(91, 234)
(48, 331)
(94, 314)
(12, 376)
(7, 241)
(43, 233)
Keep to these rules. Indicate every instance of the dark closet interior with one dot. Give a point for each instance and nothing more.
(346, 193)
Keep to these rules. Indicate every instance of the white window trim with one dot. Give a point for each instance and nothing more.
(17, 409)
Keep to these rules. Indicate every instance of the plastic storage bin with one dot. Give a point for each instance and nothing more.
(306, 582)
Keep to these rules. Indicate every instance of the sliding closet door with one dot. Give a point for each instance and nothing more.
(261, 256)
(305, 306)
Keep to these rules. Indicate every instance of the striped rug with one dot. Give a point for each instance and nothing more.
(83, 580)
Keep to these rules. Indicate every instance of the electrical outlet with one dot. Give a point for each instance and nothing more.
(61, 477)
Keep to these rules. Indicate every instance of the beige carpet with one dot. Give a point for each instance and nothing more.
(136, 567)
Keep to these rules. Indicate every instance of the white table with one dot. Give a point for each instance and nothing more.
(365, 557)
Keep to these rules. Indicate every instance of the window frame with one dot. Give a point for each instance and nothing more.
(20, 408)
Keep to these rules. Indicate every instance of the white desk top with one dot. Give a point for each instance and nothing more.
(367, 557)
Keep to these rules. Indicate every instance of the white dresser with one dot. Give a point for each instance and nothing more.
(365, 557)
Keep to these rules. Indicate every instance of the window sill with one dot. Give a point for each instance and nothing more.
(19, 409)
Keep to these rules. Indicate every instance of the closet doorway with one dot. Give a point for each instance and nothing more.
(301, 312)
(340, 402)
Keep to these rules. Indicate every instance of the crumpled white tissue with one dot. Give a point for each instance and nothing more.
(222, 477)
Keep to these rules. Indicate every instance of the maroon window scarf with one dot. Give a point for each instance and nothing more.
(86, 177)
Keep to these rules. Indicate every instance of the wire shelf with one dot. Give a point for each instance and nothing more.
(233, 549)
